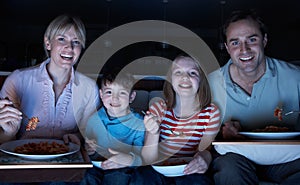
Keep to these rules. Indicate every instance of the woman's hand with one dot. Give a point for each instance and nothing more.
(117, 160)
(10, 117)
(71, 138)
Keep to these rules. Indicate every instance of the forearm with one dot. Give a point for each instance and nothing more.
(150, 148)
(206, 155)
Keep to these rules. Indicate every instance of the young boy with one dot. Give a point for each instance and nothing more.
(117, 131)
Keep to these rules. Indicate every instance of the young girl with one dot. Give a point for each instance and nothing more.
(183, 127)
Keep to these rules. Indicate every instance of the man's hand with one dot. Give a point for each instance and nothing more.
(230, 130)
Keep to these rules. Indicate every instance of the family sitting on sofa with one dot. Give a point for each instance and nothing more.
(133, 129)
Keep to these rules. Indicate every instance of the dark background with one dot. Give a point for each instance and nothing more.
(23, 23)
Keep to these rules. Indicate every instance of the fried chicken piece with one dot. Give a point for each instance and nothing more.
(272, 128)
(32, 123)
(278, 113)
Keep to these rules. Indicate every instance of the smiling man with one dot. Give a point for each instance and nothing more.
(248, 89)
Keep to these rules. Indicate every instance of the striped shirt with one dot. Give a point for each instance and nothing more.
(193, 128)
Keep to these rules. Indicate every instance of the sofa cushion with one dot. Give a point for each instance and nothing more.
(142, 99)
(140, 103)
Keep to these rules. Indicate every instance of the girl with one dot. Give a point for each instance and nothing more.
(183, 127)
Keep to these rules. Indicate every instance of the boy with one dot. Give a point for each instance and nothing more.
(117, 131)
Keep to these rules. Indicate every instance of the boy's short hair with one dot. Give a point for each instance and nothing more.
(124, 79)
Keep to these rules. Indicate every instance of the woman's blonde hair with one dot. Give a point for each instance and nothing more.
(204, 92)
(63, 23)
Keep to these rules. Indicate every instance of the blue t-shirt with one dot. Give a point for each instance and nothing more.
(279, 85)
(125, 133)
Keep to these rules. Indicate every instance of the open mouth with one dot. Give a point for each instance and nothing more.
(66, 57)
(246, 59)
(115, 105)
(185, 85)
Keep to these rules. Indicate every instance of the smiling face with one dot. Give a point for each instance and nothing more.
(185, 77)
(65, 49)
(116, 99)
(245, 45)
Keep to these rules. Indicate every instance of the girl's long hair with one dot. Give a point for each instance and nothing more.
(204, 92)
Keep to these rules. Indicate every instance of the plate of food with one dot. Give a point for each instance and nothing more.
(39, 149)
(172, 167)
(271, 132)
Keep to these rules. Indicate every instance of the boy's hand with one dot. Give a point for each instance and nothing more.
(117, 160)
(90, 146)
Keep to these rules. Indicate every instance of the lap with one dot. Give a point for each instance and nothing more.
(146, 175)
(234, 165)
(110, 177)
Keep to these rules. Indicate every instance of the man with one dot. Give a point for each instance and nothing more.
(248, 89)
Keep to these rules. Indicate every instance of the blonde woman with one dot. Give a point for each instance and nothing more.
(53, 91)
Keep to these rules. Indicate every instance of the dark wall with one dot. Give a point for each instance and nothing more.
(24, 22)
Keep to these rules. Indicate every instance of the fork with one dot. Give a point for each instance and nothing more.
(181, 134)
(291, 112)
(23, 114)
(14, 105)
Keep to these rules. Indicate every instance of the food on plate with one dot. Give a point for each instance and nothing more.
(42, 148)
(278, 113)
(272, 128)
(173, 162)
(32, 123)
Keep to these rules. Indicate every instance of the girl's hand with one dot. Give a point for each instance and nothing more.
(157, 107)
(118, 160)
(152, 123)
(10, 117)
(199, 164)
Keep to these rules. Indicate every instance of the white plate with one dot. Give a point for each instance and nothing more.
(97, 164)
(9, 148)
(270, 135)
(172, 170)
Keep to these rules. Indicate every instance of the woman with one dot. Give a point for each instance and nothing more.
(53, 91)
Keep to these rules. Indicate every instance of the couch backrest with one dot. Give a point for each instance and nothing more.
(142, 99)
